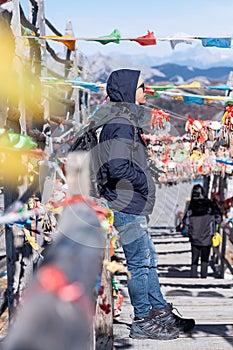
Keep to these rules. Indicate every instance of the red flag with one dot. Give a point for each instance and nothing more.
(149, 90)
(146, 40)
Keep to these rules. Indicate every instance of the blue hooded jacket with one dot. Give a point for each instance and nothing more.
(127, 182)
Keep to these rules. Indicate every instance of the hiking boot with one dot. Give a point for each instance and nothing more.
(147, 328)
(184, 324)
(166, 317)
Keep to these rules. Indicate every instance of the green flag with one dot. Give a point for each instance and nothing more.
(114, 37)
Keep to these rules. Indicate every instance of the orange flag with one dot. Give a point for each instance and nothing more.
(67, 40)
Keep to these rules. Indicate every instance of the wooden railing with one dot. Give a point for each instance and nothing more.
(65, 287)
(224, 263)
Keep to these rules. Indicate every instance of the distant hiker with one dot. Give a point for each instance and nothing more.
(178, 216)
(201, 218)
(130, 191)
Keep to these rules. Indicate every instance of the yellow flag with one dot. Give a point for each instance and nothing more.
(31, 240)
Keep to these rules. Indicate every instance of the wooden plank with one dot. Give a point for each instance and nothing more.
(209, 301)
(205, 283)
(210, 343)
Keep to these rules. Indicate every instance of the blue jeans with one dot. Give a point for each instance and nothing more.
(141, 259)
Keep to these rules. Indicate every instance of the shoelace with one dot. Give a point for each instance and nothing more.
(174, 308)
(137, 318)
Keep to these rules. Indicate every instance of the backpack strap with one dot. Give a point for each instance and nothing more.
(111, 117)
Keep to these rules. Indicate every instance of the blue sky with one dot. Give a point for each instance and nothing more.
(93, 18)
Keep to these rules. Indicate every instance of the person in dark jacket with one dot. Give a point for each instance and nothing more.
(201, 217)
(130, 191)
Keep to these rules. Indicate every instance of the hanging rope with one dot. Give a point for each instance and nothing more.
(68, 63)
(54, 74)
(53, 29)
(35, 9)
(25, 23)
(175, 115)
(55, 56)
(66, 101)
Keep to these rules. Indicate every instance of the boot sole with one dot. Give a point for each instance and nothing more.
(159, 337)
(186, 329)
(189, 329)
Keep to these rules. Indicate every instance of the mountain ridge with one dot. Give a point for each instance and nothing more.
(100, 66)
(190, 72)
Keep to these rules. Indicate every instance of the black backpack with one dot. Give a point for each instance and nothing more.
(86, 140)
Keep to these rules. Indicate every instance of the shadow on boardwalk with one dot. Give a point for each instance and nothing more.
(209, 301)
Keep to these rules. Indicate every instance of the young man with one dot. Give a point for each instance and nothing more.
(130, 192)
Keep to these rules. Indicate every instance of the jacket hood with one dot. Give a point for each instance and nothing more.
(198, 192)
(122, 85)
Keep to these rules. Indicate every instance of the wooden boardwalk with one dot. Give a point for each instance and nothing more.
(209, 301)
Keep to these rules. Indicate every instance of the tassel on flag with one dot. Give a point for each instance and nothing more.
(60, 127)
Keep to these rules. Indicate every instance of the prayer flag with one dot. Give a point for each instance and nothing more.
(218, 42)
(149, 91)
(146, 40)
(4, 1)
(67, 40)
(162, 88)
(193, 99)
(219, 87)
(174, 42)
(114, 37)
(86, 85)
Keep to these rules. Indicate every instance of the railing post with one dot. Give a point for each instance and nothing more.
(10, 195)
(223, 252)
(78, 174)
(104, 317)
